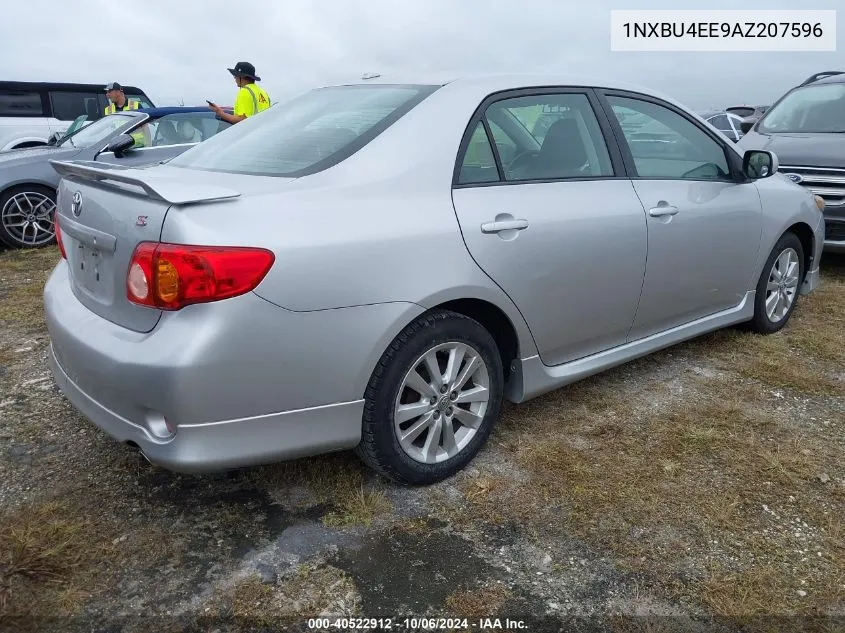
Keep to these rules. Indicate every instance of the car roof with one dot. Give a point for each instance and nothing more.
(491, 83)
(59, 85)
(833, 79)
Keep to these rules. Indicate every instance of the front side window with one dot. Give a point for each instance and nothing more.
(668, 145)
(554, 136)
(306, 135)
(20, 103)
(182, 128)
(811, 109)
(97, 132)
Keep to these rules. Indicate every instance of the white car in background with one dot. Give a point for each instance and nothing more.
(32, 112)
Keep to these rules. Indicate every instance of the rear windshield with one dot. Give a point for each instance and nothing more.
(305, 135)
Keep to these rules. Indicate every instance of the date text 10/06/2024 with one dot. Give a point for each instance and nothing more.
(416, 624)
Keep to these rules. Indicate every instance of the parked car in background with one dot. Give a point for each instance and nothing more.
(726, 122)
(806, 129)
(28, 181)
(362, 267)
(30, 112)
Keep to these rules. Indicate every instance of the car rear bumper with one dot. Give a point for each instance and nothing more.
(221, 385)
(228, 443)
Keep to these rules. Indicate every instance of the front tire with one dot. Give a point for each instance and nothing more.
(432, 400)
(779, 286)
(26, 216)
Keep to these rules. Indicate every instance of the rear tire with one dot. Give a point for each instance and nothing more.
(419, 428)
(26, 216)
(779, 286)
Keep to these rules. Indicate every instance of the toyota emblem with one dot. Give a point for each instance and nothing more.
(76, 204)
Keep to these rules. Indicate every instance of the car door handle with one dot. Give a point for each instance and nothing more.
(504, 225)
(661, 210)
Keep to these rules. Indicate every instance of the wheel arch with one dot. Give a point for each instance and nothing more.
(25, 141)
(807, 238)
(27, 144)
(505, 324)
(29, 182)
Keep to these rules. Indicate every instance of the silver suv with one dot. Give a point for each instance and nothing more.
(806, 129)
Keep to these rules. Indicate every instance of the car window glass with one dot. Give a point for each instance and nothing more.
(20, 103)
(669, 145)
(181, 128)
(505, 145)
(97, 131)
(310, 133)
(142, 102)
(564, 139)
(812, 109)
(478, 164)
(720, 122)
(69, 105)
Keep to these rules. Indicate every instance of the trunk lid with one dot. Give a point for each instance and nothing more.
(105, 211)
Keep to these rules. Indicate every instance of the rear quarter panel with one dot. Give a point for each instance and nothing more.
(36, 172)
(377, 228)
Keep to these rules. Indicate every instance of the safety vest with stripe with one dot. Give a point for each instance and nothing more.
(130, 104)
(251, 100)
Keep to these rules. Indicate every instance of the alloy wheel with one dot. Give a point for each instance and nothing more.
(442, 402)
(782, 285)
(28, 218)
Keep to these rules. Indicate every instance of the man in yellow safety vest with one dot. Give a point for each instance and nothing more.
(119, 103)
(251, 98)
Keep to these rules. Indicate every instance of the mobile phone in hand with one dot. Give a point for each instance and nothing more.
(211, 103)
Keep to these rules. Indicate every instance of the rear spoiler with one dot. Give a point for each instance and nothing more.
(164, 188)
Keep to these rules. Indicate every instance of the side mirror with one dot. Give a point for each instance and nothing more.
(746, 126)
(759, 164)
(120, 145)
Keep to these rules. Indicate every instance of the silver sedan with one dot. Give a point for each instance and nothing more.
(378, 265)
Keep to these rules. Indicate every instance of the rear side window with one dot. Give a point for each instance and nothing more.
(555, 136)
(478, 165)
(20, 103)
(306, 135)
(69, 105)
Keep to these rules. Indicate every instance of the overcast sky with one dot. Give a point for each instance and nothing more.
(180, 49)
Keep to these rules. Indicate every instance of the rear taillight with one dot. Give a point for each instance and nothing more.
(59, 235)
(171, 276)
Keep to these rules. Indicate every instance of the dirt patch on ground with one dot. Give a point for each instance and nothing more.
(688, 489)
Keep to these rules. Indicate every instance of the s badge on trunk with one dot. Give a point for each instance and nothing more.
(76, 204)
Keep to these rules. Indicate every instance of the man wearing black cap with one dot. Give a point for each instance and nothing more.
(119, 102)
(251, 98)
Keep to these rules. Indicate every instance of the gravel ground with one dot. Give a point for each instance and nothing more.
(702, 488)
